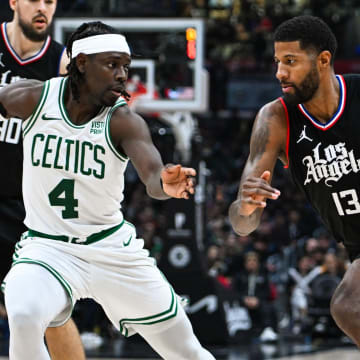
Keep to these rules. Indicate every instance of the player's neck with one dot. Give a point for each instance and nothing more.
(82, 111)
(326, 100)
(24, 47)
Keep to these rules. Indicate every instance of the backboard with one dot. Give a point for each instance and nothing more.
(168, 60)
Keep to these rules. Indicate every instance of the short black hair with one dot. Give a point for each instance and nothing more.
(83, 31)
(310, 31)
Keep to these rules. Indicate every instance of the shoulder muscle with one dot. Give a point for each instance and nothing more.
(127, 127)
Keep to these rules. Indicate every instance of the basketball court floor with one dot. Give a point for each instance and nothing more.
(326, 355)
(283, 349)
(336, 354)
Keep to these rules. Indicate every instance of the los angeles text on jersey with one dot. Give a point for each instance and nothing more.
(330, 163)
(75, 156)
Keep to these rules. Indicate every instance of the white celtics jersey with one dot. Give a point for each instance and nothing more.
(73, 176)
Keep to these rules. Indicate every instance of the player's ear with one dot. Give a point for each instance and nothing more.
(12, 4)
(81, 61)
(324, 59)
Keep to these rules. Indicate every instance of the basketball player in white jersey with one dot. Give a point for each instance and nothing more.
(79, 135)
(27, 52)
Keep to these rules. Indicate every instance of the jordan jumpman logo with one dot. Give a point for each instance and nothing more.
(303, 136)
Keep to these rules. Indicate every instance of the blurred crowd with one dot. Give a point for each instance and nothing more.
(285, 272)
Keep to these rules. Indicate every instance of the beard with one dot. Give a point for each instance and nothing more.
(306, 90)
(31, 33)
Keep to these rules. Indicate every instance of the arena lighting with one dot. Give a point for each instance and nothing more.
(191, 43)
(191, 49)
(190, 34)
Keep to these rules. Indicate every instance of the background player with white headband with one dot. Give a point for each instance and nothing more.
(78, 244)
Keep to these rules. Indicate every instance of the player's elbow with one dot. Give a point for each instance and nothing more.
(241, 229)
(241, 232)
(242, 225)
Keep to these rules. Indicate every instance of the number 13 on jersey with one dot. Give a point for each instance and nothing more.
(346, 202)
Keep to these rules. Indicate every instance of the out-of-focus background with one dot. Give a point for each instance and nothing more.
(201, 71)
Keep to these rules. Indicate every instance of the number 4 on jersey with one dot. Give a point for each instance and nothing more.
(67, 200)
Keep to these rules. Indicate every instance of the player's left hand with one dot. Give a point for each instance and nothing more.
(178, 181)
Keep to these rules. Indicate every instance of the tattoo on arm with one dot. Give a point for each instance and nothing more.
(3, 111)
(260, 139)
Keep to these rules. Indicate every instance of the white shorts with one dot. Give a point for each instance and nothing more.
(115, 271)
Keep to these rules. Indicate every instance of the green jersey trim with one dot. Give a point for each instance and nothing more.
(57, 275)
(63, 110)
(44, 93)
(64, 113)
(153, 319)
(130, 224)
(17, 248)
(119, 155)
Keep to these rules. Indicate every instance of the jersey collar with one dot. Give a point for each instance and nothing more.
(338, 112)
(18, 59)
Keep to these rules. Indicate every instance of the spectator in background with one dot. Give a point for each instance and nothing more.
(323, 287)
(299, 281)
(313, 249)
(255, 294)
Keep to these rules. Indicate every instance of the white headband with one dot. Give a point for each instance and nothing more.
(100, 43)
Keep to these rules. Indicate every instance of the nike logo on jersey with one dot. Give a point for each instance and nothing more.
(1, 63)
(50, 117)
(127, 243)
(303, 136)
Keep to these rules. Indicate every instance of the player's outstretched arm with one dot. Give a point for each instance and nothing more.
(131, 136)
(20, 99)
(267, 144)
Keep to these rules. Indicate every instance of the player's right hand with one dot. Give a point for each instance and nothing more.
(254, 193)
